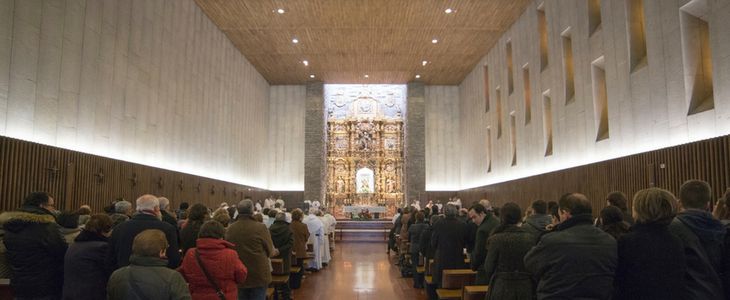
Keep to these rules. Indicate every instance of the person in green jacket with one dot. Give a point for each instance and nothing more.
(486, 222)
(147, 275)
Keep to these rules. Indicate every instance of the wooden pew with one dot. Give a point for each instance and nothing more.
(270, 293)
(448, 294)
(474, 292)
(457, 278)
(277, 264)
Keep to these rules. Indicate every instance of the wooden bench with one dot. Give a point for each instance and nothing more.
(429, 279)
(420, 269)
(277, 264)
(295, 269)
(270, 294)
(475, 292)
(449, 294)
(457, 278)
(279, 280)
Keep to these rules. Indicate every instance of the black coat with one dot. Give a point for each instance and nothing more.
(651, 264)
(415, 233)
(35, 250)
(577, 261)
(188, 235)
(448, 238)
(120, 244)
(504, 266)
(703, 260)
(283, 239)
(479, 253)
(86, 268)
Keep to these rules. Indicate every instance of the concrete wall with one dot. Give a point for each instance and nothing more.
(647, 106)
(286, 137)
(148, 81)
(442, 138)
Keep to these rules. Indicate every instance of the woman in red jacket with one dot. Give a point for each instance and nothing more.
(219, 260)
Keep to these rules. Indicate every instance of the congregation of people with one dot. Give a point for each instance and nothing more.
(150, 251)
(661, 247)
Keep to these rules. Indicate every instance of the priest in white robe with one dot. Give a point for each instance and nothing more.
(316, 236)
(269, 203)
(331, 222)
(325, 246)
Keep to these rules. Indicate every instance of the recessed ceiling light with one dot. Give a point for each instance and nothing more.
(434, 41)
(425, 62)
(295, 41)
(311, 76)
(418, 76)
(306, 63)
(280, 11)
(367, 76)
(448, 10)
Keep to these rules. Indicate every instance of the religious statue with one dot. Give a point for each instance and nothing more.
(365, 187)
(340, 185)
(390, 184)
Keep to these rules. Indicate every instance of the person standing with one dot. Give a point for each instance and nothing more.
(283, 239)
(316, 234)
(35, 248)
(300, 233)
(486, 223)
(449, 240)
(86, 270)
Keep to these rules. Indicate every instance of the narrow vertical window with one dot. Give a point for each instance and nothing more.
(542, 29)
(637, 33)
(600, 98)
(594, 16)
(499, 112)
(486, 88)
(489, 149)
(513, 136)
(569, 75)
(697, 56)
(547, 122)
(510, 75)
(527, 93)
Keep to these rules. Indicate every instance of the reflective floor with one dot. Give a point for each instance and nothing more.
(359, 270)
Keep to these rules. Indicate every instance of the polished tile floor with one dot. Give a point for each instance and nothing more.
(359, 271)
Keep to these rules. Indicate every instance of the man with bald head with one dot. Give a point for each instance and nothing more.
(577, 260)
(147, 216)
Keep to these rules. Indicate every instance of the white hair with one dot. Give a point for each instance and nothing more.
(164, 202)
(147, 202)
(122, 207)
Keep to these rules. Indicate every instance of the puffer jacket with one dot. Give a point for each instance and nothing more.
(35, 251)
(147, 278)
(222, 264)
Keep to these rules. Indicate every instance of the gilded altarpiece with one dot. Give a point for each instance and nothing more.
(365, 130)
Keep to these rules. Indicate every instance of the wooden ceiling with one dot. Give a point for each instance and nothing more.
(345, 39)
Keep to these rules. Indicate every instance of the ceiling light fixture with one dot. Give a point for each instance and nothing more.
(280, 11)
(306, 63)
(295, 41)
(434, 41)
(367, 76)
(418, 76)
(448, 10)
(311, 76)
(424, 63)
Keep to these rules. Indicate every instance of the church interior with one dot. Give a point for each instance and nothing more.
(364, 120)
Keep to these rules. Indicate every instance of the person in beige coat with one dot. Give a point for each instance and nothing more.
(254, 247)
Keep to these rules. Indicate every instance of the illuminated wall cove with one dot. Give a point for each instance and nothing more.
(623, 77)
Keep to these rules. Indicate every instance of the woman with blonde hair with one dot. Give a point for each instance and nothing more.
(651, 260)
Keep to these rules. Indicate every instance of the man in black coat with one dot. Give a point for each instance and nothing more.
(283, 239)
(577, 260)
(702, 237)
(148, 216)
(487, 222)
(35, 248)
(449, 239)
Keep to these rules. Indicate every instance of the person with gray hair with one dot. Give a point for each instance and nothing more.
(254, 248)
(167, 215)
(283, 239)
(147, 217)
(449, 239)
(122, 212)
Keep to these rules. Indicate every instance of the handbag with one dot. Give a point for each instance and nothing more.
(218, 291)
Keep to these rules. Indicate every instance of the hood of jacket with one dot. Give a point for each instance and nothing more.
(212, 244)
(16, 221)
(703, 225)
(539, 221)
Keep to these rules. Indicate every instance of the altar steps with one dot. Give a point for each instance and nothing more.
(368, 231)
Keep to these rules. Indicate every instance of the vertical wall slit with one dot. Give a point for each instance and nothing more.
(527, 93)
(510, 75)
(513, 136)
(594, 16)
(489, 149)
(486, 88)
(600, 98)
(547, 123)
(697, 56)
(569, 75)
(637, 34)
(542, 29)
(499, 112)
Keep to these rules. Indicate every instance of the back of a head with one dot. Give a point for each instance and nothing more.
(406, 210)
(258, 217)
(266, 211)
(478, 208)
(84, 210)
(36, 199)
(575, 203)
(99, 224)
(149, 243)
(435, 210)
(212, 229)
(184, 206)
(510, 213)
(419, 217)
(197, 213)
(164, 203)
(487, 204)
(450, 211)
(245, 207)
(122, 207)
(272, 213)
(695, 194)
(147, 203)
(654, 206)
(296, 214)
(617, 199)
(68, 220)
(313, 211)
(611, 215)
(539, 207)
(280, 216)
(222, 217)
